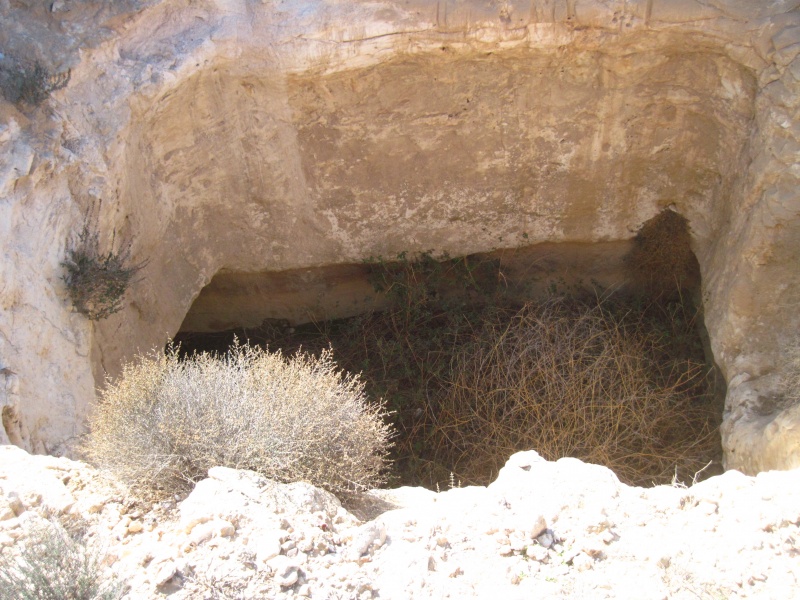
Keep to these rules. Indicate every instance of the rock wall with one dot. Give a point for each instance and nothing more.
(248, 137)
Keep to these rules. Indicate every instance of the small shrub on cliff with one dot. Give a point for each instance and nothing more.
(96, 281)
(31, 83)
(166, 421)
(50, 564)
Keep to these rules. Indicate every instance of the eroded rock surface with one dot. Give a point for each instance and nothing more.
(251, 137)
(542, 529)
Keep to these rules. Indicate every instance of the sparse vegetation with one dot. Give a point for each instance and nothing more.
(166, 421)
(573, 378)
(30, 83)
(52, 564)
(472, 375)
(97, 281)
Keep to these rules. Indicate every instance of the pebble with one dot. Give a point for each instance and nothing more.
(536, 552)
(285, 572)
(545, 539)
(164, 573)
(366, 538)
(582, 562)
(135, 527)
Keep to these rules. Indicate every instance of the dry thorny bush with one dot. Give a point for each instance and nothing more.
(166, 421)
(31, 83)
(52, 561)
(572, 379)
(97, 281)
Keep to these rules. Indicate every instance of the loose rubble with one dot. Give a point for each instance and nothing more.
(542, 529)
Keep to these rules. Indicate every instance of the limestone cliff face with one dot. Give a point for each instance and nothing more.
(270, 136)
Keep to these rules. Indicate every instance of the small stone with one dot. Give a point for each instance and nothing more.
(201, 533)
(15, 503)
(120, 530)
(93, 504)
(568, 555)
(368, 537)
(582, 562)
(545, 539)
(135, 527)
(536, 552)
(431, 564)
(31, 499)
(285, 572)
(6, 512)
(593, 546)
(305, 545)
(457, 573)
(189, 523)
(164, 573)
(534, 526)
(225, 529)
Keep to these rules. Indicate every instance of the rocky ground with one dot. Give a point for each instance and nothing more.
(542, 529)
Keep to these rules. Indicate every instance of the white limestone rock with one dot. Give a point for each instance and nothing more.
(604, 539)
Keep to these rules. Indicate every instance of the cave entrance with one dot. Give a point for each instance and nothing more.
(596, 351)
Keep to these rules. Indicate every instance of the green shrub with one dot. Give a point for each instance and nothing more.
(50, 564)
(166, 421)
(31, 83)
(97, 282)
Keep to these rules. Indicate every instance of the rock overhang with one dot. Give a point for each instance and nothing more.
(247, 138)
